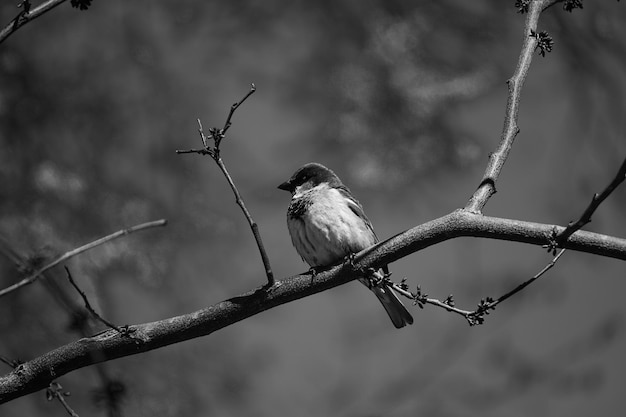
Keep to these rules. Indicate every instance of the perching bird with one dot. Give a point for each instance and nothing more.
(327, 223)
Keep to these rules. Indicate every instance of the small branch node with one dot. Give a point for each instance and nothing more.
(569, 5)
(544, 42)
(55, 391)
(552, 244)
(522, 6)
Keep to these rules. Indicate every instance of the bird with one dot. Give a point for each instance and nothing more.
(327, 224)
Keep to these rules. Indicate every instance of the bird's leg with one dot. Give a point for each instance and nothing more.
(349, 259)
(313, 272)
(374, 278)
(377, 277)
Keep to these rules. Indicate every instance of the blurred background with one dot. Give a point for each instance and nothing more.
(404, 100)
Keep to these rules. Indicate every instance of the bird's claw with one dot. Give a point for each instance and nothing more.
(349, 259)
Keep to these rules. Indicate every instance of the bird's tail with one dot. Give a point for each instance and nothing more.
(398, 313)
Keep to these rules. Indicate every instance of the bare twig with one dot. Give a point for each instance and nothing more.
(214, 152)
(9, 362)
(420, 298)
(487, 304)
(88, 306)
(217, 134)
(253, 225)
(27, 15)
(55, 390)
(596, 200)
(491, 305)
(234, 107)
(206, 148)
(35, 275)
(487, 186)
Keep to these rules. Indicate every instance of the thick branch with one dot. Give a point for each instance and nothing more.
(39, 372)
(487, 186)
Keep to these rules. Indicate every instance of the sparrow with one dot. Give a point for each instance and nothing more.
(327, 224)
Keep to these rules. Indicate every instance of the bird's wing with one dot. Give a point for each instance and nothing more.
(357, 208)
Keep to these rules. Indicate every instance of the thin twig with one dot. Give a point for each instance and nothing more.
(88, 306)
(217, 134)
(26, 16)
(205, 150)
(214, 152)
(235, 106)
(526, 283)
(487, 186)
(419, 298)
(596, 200)
(34, 276)
(55, 390)
(487, 304)
(202, 135)
(8, 361)
(251, 222)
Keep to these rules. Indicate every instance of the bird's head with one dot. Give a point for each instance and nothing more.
(309, 176)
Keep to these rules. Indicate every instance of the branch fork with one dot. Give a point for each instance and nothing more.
(217, 135)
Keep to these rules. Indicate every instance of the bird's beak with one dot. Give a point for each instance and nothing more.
(286, 186)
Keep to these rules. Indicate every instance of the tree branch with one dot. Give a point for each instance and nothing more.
(39, 372)
(34, 276)
(111, 391)
(555, 240)
(487, 186)
(26, 16)
(218, 135)
(253, 225)
(55, 391)
(88, 305)
(487, 304)
(596, 200)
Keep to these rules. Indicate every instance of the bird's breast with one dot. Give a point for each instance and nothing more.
(323, 227)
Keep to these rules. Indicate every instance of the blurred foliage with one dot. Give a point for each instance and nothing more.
(94, 103)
